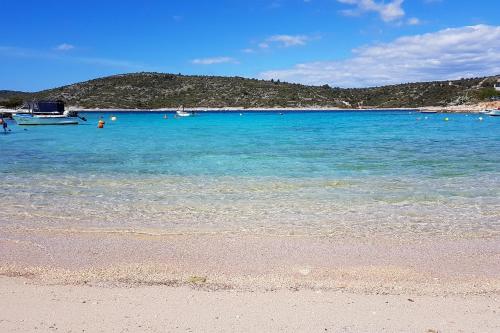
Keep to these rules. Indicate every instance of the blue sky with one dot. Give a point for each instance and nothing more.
(348, 43)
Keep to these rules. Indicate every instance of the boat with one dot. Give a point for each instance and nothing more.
(494, 112)
(428, 111)
(181, 113)
(46, 113)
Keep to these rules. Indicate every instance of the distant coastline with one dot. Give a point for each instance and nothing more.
(476, 108)
(233, 109)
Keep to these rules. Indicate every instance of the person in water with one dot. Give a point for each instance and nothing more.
(4, 125)
(100, 123)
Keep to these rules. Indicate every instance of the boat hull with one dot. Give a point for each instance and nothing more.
(45, 120)
(182, 113)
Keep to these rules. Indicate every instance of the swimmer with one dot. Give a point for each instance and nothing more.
(4, 125)
(100, 123)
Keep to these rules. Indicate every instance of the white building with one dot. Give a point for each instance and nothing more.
(497, 85)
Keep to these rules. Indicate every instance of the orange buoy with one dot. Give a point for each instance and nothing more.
(100, 123)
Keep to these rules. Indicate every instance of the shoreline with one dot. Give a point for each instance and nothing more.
(458, 109)
(234, 109)
(476, 108)
(250, 262)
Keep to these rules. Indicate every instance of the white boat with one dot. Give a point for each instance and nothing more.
(46, 113)
(182, 113)
(494, 113)
(30, 119)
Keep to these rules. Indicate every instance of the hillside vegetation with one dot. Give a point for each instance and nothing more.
(158, 90)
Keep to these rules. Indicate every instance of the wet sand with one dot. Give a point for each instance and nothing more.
(435, 266)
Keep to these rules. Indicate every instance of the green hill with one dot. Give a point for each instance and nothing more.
(157, 90)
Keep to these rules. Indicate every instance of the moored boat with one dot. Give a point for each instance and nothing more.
(494, 112)
(46, 113)
(181, 113)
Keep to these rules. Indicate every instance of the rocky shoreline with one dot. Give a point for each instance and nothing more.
(470, 108)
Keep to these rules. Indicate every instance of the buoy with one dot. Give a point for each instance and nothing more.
(446, 119)
(113, 118)
(100, 123)
(480, 118)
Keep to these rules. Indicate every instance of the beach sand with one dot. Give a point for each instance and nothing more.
(114, 281)
(28, 307)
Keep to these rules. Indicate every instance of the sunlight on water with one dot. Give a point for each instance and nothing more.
(344, 173)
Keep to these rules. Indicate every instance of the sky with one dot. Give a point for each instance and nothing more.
(343, 43)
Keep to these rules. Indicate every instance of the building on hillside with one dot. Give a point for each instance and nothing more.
(497, 85)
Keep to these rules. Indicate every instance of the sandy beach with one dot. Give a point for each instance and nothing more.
(28, 307)
(112, 282)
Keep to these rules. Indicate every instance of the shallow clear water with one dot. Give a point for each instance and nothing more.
(334, 173)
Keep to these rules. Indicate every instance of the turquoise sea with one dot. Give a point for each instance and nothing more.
(391, 173)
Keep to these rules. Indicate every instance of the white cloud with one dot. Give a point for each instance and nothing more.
(213, 61)
(280, 41)
(413, 21)
(446, 54)
(264, 45)
(388, 12)
(64, 47)
(284, 41)
(288, 40)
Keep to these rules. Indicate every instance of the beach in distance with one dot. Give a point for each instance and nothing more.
(305, 220)
(466, 108)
